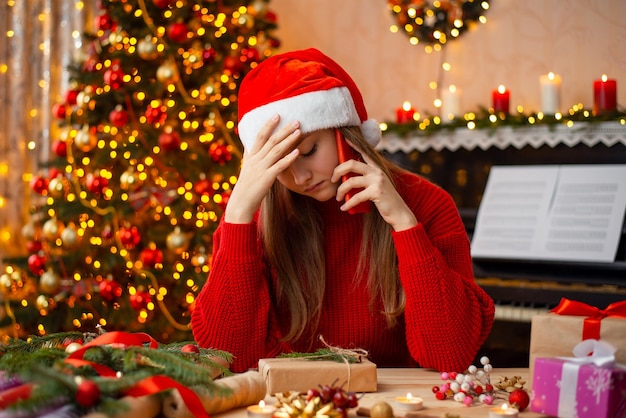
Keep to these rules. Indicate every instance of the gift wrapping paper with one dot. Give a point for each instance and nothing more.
(293, 374)
(569, 390)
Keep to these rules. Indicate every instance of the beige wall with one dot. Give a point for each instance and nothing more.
(522, 39)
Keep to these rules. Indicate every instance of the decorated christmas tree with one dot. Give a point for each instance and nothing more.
(145, 154)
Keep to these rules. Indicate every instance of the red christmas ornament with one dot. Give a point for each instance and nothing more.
(37, 263)
(96, 183)
(59, 111)
(87, 393)
(107, 232)
(177, 32)
(54, 173)
(275, 43)
(139, 300)
(33, 246)
(190, 348)
(169, 141)
(151, 256)
(155, 115)
(110, 290)
(59, 147)
(114, 77)
(271, 17)
(103, 22)
(162, 4)
(70, 97)
(519, 398)
(220, 153)
(130, 237)
(204, 186)
(118, 117)
(39, 184)
(233, 65)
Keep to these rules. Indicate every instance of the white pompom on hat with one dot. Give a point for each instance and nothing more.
(305, 86)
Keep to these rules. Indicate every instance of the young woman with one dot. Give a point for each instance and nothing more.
(291, 263)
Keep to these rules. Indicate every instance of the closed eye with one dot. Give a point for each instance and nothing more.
(311, 151)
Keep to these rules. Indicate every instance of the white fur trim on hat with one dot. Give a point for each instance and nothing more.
(315, 110)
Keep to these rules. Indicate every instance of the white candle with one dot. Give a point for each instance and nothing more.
(409, 402)
(503, 411)
(261, 410)
(550, 93)
(451, 104)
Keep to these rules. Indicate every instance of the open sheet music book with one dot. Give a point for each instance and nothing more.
(551, 212)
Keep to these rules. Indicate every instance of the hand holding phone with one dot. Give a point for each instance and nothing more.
(345, 153)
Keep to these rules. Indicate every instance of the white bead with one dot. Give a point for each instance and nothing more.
(472, 369)
(488, 368)
(484, 360)
(454, 387)
(459, 396)
(460, 378)
(481, 397)
(480, 373)
(465, 386)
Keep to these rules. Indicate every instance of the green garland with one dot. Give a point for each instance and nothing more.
(40, 362)
(487, 120)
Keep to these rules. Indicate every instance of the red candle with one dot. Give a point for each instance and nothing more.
(604, 95)
(500, 98)
(405, 113)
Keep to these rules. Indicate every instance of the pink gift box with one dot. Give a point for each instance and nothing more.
(572, 390)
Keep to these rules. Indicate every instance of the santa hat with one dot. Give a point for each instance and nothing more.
(305, 86)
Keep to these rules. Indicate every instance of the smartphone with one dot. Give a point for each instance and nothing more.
(345, 153)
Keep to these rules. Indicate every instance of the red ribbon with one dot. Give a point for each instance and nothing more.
(591, 325)
(147, 386)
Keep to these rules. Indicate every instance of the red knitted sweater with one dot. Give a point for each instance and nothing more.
(447, 316)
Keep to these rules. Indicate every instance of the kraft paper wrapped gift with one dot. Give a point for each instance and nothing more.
(555, 334)
(582, 387)
(294, 374)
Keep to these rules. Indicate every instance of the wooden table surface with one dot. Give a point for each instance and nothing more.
(419, 382)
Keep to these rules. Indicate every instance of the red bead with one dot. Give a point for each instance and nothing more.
(435, 389)
(489, 387)
(190, 348)
(440, 395)
(478, 389)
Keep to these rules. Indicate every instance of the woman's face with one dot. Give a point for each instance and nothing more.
(310, 174)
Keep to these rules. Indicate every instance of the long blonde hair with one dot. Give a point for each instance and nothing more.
(292, 236)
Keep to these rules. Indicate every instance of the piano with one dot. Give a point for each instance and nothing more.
(460, 161)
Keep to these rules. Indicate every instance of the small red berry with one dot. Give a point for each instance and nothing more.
(478, 389)
(489, 387)
(435, 389)
(87, 393)
(440, 395)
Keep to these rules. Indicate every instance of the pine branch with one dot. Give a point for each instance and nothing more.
(324, 354)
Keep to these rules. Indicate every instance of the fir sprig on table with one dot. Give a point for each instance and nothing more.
(325, 354)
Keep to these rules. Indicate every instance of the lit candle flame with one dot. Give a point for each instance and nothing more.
(452, 88)
(261, 404)
(550, 75)
(604, 78)
(501, 89)
(409, 396)
(406, 105)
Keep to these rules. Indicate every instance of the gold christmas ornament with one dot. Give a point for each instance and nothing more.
(29, 231)
(56, 188)
(51, 229)
(43, 303)
(177, 241)
(129, 179)
(85, 140)
(49, 282)
(69, 237)
(167, 73)
(147, 49)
